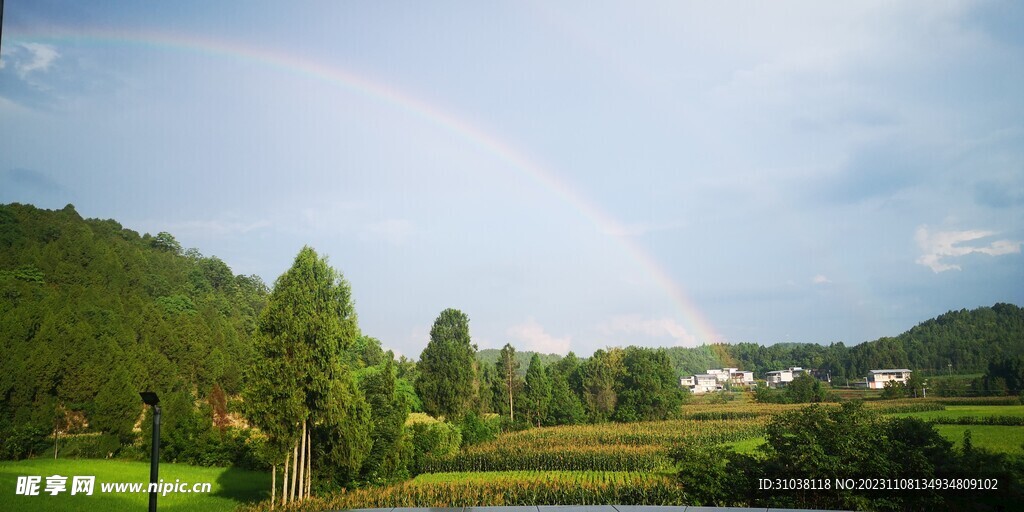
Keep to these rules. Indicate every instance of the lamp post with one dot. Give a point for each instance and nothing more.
(151, 399)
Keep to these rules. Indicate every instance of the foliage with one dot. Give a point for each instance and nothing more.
(826, 443)
(805, 389)
(446, 367)
(537, 392)
(437, 439)
(391, 451)
(648, 388)
(92, 313)
(478, 430)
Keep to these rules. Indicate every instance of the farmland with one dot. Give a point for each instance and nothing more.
(625, 463)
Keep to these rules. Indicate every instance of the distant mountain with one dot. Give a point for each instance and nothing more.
(963, 341)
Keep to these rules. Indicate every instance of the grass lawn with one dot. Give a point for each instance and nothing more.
(747, 445)
(962, 411)
(993, 437)
(230, 486)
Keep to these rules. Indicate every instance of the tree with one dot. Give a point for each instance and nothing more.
(648, 388)
(805, 389)
(390, 453)
(600, 375)
(117, 407)
(538, 391)
(301, 388)
(446, 367)
(166, 242)
(508, 368)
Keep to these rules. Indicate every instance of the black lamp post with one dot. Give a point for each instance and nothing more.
(150, 398)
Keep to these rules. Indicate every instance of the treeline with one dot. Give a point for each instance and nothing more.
(617, 384)
(91, 313)
(963, 341)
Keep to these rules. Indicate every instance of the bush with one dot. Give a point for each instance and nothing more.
(433, 440)
(477, 430)
(22, 441)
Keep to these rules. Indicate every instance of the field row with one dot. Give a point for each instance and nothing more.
(492, 489)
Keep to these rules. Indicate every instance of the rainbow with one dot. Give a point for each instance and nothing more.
(701, 328)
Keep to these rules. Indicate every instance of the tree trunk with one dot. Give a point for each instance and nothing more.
(302, 462)
(273, 485)
(511, 415)
(309, 465)
(295, 472)
(284, 483)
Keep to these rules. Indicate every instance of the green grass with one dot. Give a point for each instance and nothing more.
(747, 445)
(995, 438)
(230, 486)
(963, 411)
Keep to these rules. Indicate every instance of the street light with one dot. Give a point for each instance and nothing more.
(151, 399)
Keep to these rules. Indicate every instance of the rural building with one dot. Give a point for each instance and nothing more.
(779, 378)
(878, 378)
(701, 383)
(714, 380)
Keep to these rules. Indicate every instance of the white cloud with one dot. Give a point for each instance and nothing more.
(942, 245)
(821, 279)
(653, 327)
(532, 334)
(40, 59)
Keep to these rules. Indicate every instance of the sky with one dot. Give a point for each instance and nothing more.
(571, 175)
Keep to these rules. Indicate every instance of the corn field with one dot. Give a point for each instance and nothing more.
(586, 488)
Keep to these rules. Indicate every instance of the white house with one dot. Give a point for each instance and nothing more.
(779, 378)
(878, 378)
(701, 383)
(742, 378)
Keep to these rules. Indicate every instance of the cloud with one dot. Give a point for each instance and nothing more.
(40, 58)
(821, 279)
(949, 244)
(652, 327)
(532, 334)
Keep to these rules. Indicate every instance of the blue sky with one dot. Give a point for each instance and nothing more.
(571, 175)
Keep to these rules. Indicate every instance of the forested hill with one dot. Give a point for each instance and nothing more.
(91, 312)
(963, 341)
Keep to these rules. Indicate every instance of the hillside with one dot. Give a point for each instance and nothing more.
(91, 313)
(963, 341)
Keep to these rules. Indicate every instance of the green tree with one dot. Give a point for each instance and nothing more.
(308, 324)
(390, 453)
(118, 406)
(446, 367)
(648, 388)
(538, 391)
(805, 389)
(511, 384)
(599, 379)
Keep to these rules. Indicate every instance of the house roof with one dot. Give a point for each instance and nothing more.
(904, 370)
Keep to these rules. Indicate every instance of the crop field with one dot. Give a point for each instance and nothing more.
(229, 487)
(628, 463)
